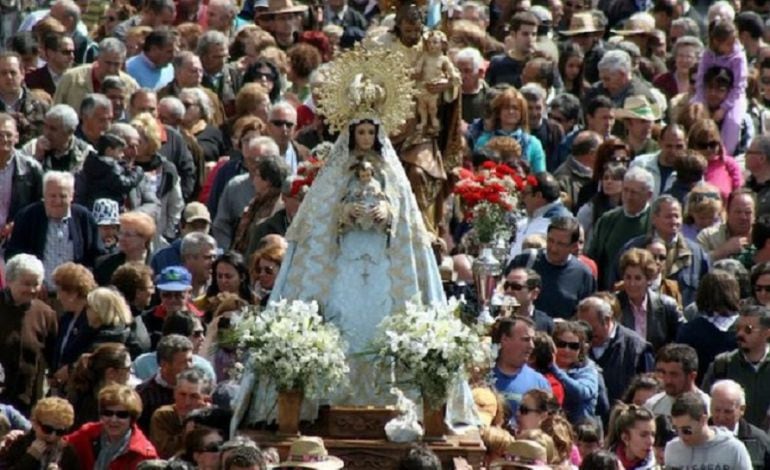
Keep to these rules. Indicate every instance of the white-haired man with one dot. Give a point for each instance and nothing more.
(469, 61)
(616, 80)
(59, 148)
(282, 122)
(728, 403)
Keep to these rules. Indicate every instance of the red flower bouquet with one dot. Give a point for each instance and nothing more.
(487, 197)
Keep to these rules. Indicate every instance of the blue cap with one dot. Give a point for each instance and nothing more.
(174, 279)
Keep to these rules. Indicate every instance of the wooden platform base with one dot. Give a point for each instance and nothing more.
(379, 454)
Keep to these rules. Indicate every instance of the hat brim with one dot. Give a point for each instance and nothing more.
(108, 222)
(332, 463)
(173, 287)
(282, 11)
(198, 217)
(628, 32)
(575, 32)
(625, 114)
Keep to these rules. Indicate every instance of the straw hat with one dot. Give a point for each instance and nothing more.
(277, 7)
(636, 107)
(636, 24)
(310, 452)
(523, 454)
(583, 22)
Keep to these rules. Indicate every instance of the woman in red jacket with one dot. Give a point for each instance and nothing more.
(115, 442)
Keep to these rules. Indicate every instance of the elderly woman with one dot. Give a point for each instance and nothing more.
(134, 280)
(702, 209)
(73, 283)
(197, 121)
(577, 373)
(722, 170)
(109, 314)
(29, 329)
(161, 177)
(108, 364)
(686, 52)
(43, 446)
(265, 265)
(115, 441)
(137, 231)
(509, 117)
(653, 316)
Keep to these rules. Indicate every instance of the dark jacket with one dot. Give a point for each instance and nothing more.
(29, 115)
(26, 348)
(86, 442)
(707, 340)
(626, 355)
(71, 160)
(757, 443)
(353, 25)
(755, 380)
(40, 79)
(27, 186)
(227, 86)
(176, 151)
(572, 178)
(29, 234)
(79, 341)
(212, 142)
(16, 457)
(550, 135)
(105, 178)
(663, 318)
(228, 171)
(277, 223)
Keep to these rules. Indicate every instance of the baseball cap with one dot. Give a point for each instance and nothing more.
(174, 279)
(195, 211)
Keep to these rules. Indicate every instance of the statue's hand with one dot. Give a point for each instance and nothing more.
(358, 211)
(380, 213)
(437, 86)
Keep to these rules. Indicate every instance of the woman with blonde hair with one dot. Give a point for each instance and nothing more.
(137, 231)
(109, 314)
(109, 363)
(264, 269)
(508, 116)
(161, 177)
(43, 446)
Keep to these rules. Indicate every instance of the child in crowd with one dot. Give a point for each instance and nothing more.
(106, 175)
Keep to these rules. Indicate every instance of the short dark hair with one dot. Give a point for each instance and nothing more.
(178, 323)
(420, 458)
(750, 22)
(719, 76)
(689, 404)
(22, 43)
(568, 224)
(568, 104)
(683, 354)
(52, 41)
(273, 170)
(159, 37)
(596, 103)
(534, 281)
(245, 456)
(504, 325)
(109, 141)
(548, 186)
(169, 345)
(523, 18)
(600, 460)
(158, 6)
(718, 293)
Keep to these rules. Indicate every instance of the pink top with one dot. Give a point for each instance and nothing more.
(725, 174)
(574, 457)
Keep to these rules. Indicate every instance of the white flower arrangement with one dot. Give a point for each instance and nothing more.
(430, 347)
(290, 343)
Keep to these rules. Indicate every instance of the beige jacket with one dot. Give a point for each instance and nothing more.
(76, 83)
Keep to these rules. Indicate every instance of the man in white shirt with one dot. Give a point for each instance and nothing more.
(677, 366)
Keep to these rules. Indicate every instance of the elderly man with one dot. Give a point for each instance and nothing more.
(548, 132)
(154, 13)
(67, 13)
(171, 111)
(616, 227)
(54, 229)
(282, 121)
(758, 163)
(198, 251)
(617, 81)
(474, 89)
(728, 403)
(676, 365)
(29, 332)
(188, 73)
(218, 76)
(152, 67)
(689, 262)
(21, 178)
(578, 170)
(352, 22)
(619, 351)
(732, 239)
(96, 116)
(195, 218)
(192, 391)
(16, 100)
(221, 15)
(78, 82)
(568, 279)
(749, 363)
(174, 285)
(660, 164)
(58, 52)
(58, 148)
(173, 145)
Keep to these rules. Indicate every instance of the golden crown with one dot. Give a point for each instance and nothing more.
(370, 84)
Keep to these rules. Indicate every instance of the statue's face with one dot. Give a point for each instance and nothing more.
(364, 136)
(410, 32)
(365, 175)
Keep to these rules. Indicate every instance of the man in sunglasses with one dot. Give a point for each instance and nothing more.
(700, 445)
(524, 285)
(749, 364)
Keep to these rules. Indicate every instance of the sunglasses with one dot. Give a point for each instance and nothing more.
(509, 285)
(211, 447)
(264, 270)
(525, 410)
(169, 295)
(684, 430)
(711, 144)
(118, 414)
(762, 288)
(573, 345)
(281, 123)
(52, 430)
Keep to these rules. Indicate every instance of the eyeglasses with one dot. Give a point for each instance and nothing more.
(700, 197)
(761, 288)
(264, 270)
(711, 144)
(169, 294)
(510, 285)
(122, 414)
(525, 410)
(52, 430)
(281, 123)
(211, 447)
(684, 430)
(573, 345)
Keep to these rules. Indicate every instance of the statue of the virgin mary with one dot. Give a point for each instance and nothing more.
(358, 245)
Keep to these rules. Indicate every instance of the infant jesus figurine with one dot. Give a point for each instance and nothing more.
(433, 69)
(365, 204)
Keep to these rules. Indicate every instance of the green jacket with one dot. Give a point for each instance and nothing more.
(612, 231)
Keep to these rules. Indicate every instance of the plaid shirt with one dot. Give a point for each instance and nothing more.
(58, 247)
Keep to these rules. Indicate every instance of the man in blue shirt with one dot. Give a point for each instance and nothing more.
(513, 377)
(152, 68)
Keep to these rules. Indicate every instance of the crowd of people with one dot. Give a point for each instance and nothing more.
(154, 153)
